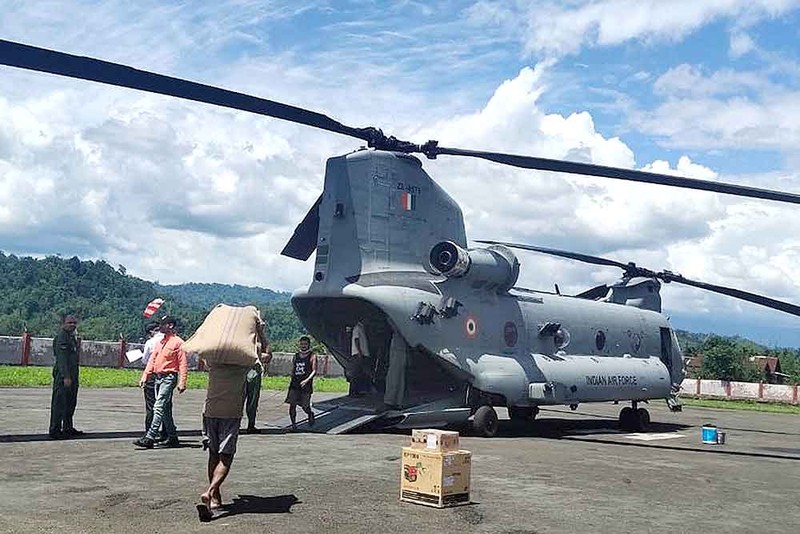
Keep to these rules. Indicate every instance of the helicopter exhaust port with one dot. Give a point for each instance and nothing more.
(450, 259)
(492, 268)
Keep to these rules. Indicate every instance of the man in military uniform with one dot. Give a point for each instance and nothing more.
(254, 375)
(65, 380)
(394, 395)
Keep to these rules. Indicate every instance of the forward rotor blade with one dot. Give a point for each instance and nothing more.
(736, 293)
(84, 68)
(571, 167)
(50, 61)
(304, 240)
(563, 253)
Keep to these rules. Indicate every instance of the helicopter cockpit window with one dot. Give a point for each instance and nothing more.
(600, 340)
(561, 338)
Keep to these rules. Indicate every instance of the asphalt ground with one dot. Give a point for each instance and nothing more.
(568, 472)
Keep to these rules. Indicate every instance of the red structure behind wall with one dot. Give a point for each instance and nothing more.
(26, 348)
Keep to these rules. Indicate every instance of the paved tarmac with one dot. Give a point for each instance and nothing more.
(568, 472)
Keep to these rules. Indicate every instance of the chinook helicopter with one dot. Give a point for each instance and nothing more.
(451, 336)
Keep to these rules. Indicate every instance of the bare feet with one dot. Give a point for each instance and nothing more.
(216, 501)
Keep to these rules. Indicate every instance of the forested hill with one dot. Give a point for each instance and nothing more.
(208, 295)
(35, 293)
(692, 342)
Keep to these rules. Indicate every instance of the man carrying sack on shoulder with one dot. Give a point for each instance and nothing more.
(229, 341)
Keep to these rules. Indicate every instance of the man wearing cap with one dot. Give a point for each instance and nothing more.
(170, 367)
(154, 336)
(65, 380)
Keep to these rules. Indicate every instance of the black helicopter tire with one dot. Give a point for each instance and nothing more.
(485, 422)
(627, 419)
(642, 419)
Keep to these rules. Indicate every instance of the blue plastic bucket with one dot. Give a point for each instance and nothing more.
(709, 434)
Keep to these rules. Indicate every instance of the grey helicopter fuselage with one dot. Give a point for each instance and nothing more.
(475, 337)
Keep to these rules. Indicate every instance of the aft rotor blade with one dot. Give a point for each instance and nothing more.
(84, 68)
(304, 240)
(571, 167)
(631, 269)
(736, 293)
(563, 253)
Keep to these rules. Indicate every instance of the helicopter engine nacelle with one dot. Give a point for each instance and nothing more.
(492, 268)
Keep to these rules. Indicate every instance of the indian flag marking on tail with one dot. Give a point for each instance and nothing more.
(408, 201)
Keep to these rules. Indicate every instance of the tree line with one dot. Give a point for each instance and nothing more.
(735, 358)
(36, 293)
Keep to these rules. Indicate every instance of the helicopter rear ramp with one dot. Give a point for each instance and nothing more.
(346, 414)
(336, 416)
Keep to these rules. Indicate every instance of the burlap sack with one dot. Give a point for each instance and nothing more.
(227, 336)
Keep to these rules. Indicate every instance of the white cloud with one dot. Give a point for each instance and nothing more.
(689, 80)
(741, 44)
(558, 29)
(725, 109)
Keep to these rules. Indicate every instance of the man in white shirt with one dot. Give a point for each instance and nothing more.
(154, 335)
(359, 350)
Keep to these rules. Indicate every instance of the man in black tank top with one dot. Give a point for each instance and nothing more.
(304, 368)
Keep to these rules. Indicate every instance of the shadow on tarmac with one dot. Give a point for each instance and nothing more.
(555, 428)
(549, 428)
(602, 432)
(20, 438)
(252, 504)
(776, 432)
(694, 449)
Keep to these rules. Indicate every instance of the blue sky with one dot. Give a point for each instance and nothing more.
(707, 89)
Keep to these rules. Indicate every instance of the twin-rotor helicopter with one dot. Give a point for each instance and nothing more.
(450, 336)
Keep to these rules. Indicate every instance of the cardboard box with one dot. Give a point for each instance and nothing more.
(435, 478)
(432, 439)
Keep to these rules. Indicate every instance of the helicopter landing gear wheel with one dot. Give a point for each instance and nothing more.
(485, 421)
(627, 419)
(634, 419)
(642, 419)
(523, 414)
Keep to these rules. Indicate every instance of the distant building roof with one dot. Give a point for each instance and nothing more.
(695, 362)
(770, 364)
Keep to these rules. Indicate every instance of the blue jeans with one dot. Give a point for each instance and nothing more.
(162, 409)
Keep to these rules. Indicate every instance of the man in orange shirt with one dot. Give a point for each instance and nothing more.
(169, 365)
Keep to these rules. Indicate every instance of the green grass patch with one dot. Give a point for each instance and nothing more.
(753, 406)
(101, 377)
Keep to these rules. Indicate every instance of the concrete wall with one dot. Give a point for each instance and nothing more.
(107, 354)
(694, 387)
(10, 350)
